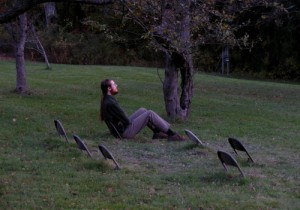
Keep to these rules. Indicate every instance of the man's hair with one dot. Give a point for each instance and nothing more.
(105, 84)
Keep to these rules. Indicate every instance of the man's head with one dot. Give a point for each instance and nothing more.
(109, 87)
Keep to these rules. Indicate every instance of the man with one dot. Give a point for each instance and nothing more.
(128, 127)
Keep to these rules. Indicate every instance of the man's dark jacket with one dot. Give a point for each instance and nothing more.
(113, 113)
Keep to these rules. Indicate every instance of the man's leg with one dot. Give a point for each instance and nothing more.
(137, 113)
(147, 118)
(150, 125)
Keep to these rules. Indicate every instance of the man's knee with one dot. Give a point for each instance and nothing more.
(153, 114)
(142, 109)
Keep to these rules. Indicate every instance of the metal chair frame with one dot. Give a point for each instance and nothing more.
(113, 130)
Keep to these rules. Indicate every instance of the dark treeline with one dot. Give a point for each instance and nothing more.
(275, 53)
(74, 37)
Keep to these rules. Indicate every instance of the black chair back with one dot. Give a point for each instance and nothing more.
(227, 159)
(81, 145)
(237, 145)
(60, 130)
(107, 155)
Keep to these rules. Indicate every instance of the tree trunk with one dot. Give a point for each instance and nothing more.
(40, 47)
(186, 85)
(170, 88)
(178, 105)
(50, 12)
(21, 84)
(43, 52)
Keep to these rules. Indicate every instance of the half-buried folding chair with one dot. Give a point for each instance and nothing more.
(227, 159)
(193, 137)
(81, 145)
(237, 145)
(107, 155)
(112, 129)
(60, 130)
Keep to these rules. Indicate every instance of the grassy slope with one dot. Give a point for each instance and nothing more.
(40, 171)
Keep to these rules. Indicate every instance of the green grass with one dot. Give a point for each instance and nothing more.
(39, 170)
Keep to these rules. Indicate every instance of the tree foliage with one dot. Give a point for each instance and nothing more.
(275, 54)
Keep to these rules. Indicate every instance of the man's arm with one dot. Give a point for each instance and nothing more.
(119, 114)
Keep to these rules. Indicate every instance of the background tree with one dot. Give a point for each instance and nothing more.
(50, 12)
(18, 31)
(11, 10)
(14, 8)
(37, 44)
(166, 27)
(275, 54)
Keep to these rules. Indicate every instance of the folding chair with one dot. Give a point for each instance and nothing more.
(227, 159)
(237, 145)
(60, 130)
(107, 155)
(113, 130)
(81, 145)
(193, 137)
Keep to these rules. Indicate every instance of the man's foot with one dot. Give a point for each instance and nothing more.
(176, 137)
(160, 135)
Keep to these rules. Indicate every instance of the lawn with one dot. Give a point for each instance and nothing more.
(39, 170)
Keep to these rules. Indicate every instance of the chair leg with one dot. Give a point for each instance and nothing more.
(250, 158)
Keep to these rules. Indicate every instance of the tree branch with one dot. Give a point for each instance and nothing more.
(25, 5)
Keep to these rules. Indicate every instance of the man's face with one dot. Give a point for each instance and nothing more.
(113, 88)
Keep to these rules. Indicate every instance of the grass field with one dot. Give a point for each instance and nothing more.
(39, 170)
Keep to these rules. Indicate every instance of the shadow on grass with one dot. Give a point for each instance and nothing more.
(225, 178)
(190, 147)
(195, 150)
(51, 144)
(97, 165)
(245, 162)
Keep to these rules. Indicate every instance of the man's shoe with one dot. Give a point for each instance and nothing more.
(176, 137)
(160, 135)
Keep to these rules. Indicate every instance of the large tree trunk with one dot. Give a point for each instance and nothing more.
(178, 104)
(21, 84)
(186, 85)
(170, 88)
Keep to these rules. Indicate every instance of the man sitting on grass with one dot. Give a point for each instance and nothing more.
(128, 127)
